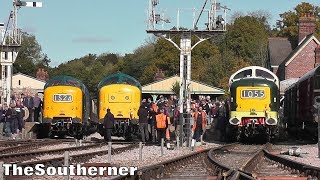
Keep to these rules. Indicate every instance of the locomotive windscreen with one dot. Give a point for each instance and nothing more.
(64, 80)
(264, 74)
(243, 74)
(119, 78)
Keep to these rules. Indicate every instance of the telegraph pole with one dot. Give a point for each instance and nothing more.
(9, 46)
(213, 26)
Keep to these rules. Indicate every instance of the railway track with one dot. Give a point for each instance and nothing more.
(11, 143)
(191, 166)
(232, 161)
(33, 155)
(28, 146)
(74, 158)
(260, 165)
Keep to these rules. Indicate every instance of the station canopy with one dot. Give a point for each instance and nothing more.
(164, 87)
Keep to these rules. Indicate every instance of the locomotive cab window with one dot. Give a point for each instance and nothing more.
(73, 82)
(55, 82)
(264, 74)
(243, 74)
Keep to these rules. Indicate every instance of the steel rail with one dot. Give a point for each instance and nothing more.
(158, 170)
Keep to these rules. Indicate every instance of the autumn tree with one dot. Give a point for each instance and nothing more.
(30, 54)
(290, 20)
(247, 38)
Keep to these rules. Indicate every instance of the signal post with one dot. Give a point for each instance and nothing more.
(10, 43)
(215, 25)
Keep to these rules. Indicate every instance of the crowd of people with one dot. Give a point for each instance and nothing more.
(160, 119)
(22, 108)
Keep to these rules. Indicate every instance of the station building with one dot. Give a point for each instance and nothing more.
(22, 83)
(164, 87)
(290, 61)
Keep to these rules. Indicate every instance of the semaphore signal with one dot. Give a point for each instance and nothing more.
(208, 22)
(10, 42)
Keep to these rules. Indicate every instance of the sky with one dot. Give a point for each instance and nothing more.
(68, 29)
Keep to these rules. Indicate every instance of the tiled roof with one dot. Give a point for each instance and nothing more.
(279, 49)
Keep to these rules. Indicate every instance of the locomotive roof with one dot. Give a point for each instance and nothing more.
(65, 80)
(254, 72)
(119, 78)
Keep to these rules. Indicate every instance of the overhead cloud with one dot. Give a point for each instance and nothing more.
(91, 40)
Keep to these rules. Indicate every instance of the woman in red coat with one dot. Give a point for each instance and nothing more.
(200, 122)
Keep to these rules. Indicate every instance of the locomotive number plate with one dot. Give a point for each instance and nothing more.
(62, 98)
(252, 93)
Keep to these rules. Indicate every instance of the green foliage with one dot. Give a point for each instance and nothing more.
(175, 88)
(88, 69)
(30, 55)
(248, 38)
(134, 64)
(290, 21)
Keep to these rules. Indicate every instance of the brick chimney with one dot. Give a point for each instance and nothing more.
(317, 56)
(306, 25)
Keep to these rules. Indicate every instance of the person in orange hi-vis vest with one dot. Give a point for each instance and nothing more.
(162, 124)
(155, 107)
(199, 125)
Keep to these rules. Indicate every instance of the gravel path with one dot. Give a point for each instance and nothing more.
(60, 146)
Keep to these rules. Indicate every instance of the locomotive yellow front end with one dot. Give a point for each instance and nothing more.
(254, 104)
(253, 107)
(122, 100)
(62, 108)
(121, 94)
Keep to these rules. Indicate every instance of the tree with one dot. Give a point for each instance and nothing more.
(45, 61)
(109, 58)
(29, 55)
(247, 38)
(290, 20)
(135, 64)
(175, 88)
